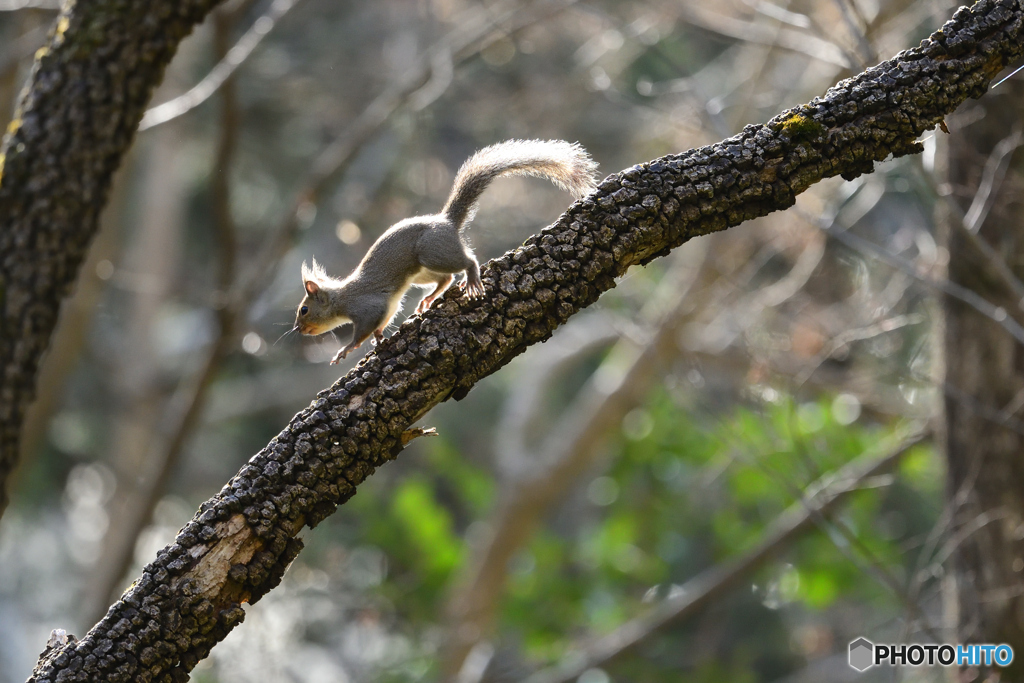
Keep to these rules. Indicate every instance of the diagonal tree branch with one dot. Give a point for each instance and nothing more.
(240, 542)
(75, 121)
(15, 5)
(226, 66)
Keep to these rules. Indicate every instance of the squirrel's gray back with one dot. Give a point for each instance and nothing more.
(391, 261)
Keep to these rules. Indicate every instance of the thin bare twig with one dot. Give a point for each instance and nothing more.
(991, 177)
(856, 334)
(697, 593)
(998, 264)
(995, 313)
(770, 9)
(15, 5)
(940, 530)
(796, 41)
(1009, 76)
(225, 68)
(968, 227)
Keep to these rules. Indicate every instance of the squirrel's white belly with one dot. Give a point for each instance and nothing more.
(424, 277)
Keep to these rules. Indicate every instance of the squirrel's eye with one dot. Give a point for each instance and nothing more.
(304, 310)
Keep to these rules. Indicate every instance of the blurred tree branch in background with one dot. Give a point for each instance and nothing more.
(799, 41)
(230, 60)
(238, 545)
(820, 499)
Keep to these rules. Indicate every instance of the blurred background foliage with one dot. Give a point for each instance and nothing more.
(793, 350)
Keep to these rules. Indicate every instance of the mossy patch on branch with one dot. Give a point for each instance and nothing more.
(802, 127)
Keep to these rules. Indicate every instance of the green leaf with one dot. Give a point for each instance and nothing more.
(427, 525)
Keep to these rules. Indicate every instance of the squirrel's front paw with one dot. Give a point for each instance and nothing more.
(340, 355)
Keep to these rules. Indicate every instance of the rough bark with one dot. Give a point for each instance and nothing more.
(240, 542)
(986, 470)
(75, 120)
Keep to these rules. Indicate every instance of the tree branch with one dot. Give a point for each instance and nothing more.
(226, 66)
(86, 95)
(15, 5)
(240, 542)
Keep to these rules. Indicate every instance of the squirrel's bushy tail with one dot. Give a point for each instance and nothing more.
(565, 164)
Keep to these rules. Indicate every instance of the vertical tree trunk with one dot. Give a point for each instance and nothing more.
(985, 370)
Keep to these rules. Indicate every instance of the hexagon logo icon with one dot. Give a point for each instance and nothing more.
(862, 653)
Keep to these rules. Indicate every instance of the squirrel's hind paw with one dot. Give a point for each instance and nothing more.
(473, 290)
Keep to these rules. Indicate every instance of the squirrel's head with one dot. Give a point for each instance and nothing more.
(317, 313)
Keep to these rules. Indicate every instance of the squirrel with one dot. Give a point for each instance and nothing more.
(427, 251)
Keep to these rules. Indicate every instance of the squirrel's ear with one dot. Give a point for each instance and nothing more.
(312, 288)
